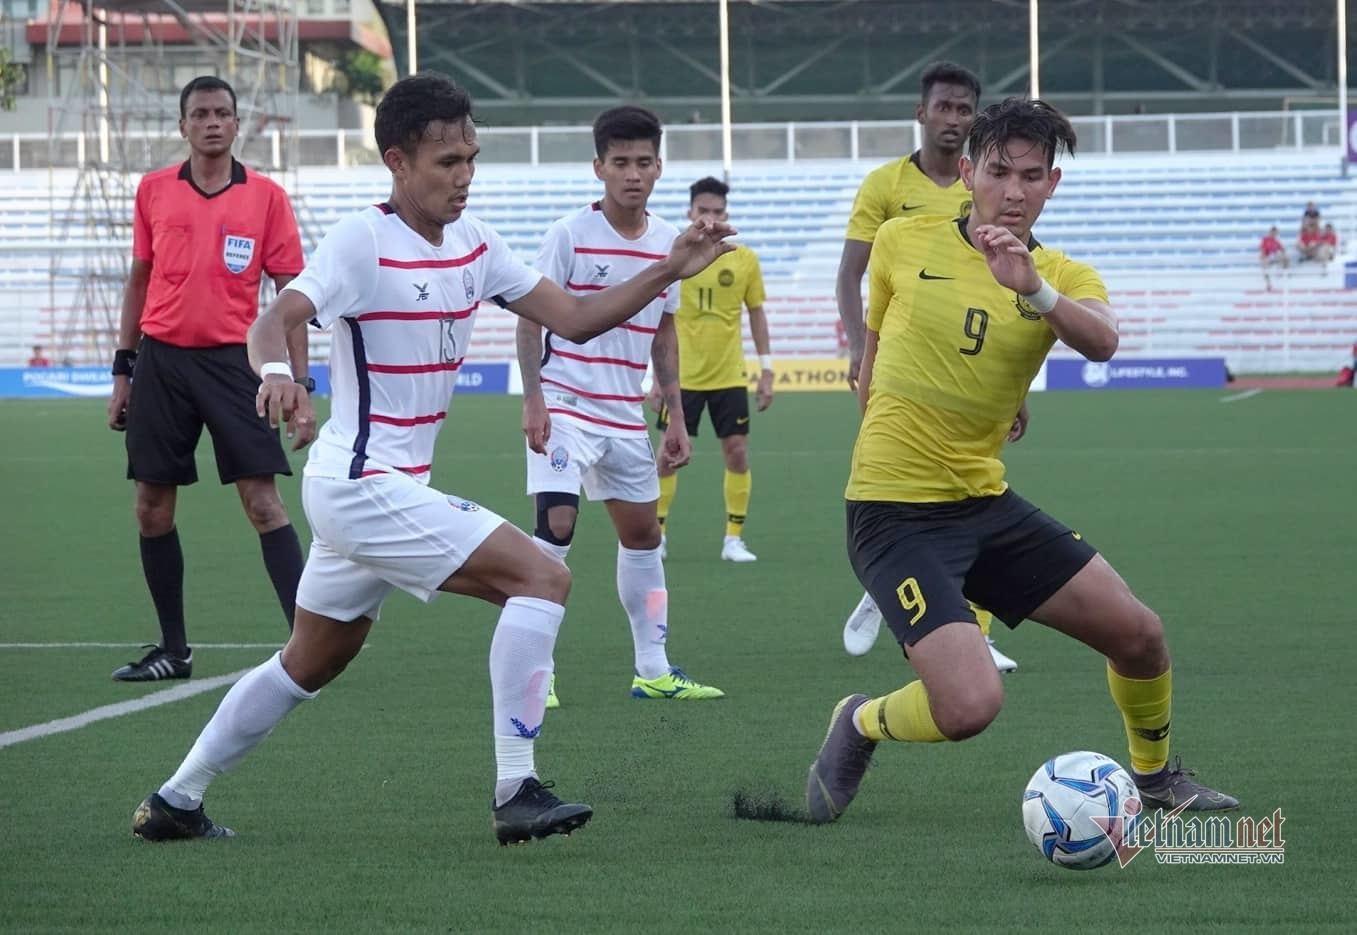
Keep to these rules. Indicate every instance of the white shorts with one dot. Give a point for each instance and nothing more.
(608, 468)
(382, 532)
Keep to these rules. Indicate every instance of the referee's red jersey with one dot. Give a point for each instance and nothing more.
(208, 252)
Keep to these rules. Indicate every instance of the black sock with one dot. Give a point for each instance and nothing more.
(283, 560)
(163, 563)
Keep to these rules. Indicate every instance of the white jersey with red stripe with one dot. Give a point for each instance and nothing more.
(598, 383)
(405, 310)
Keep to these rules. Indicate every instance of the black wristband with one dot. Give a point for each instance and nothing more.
(122, 362)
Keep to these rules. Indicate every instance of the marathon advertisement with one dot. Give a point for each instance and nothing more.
(68, 382)
(1136, 374)
(802, 374)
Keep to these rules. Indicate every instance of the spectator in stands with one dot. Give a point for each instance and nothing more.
(1328, 243)
(1271, 253)
(1311, 215)
(1310, 241)
(203, 234)
(38, 359)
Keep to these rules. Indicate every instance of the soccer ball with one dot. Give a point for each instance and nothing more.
(1072, 804)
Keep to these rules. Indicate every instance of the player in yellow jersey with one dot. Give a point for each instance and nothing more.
(926, 182)
(711, 366)
(962, 313)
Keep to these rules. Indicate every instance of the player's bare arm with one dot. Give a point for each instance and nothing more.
(129, 336)
(536, 419)
(675, 447)
(580, 318)
(848, 294)
(758, 330)
(280, 397)
(1087, 326)
(298, 351)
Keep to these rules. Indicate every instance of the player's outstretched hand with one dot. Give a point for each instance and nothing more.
(1009, 260)
(675, 448)
(536, 422)
(286, 402)
(697, 247)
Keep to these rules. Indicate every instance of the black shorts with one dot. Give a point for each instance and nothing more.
(924, 562)
(729, 410)
(178, 390)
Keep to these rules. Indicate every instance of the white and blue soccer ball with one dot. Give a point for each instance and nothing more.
(1072, 802)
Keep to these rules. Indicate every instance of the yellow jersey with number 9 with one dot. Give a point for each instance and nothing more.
(956, 355)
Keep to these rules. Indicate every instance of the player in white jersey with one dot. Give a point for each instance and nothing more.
(582, 402)
(400, 282)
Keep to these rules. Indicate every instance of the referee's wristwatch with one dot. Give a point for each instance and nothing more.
(307, 383)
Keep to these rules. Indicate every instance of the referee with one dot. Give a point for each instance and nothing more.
(204, 232)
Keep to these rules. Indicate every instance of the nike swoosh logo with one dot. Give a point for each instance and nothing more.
(923, 274)
(910, 207)
(742, 421)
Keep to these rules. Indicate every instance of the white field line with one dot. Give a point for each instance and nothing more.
(1236, 397)
(153, 700)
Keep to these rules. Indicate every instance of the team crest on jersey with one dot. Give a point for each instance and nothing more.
(559, 459)
(1025, 309)
(601, 270)
(422, 290)
(726, 277)
(965, 208)
(237, 252)
(466, 506)
(469, 284)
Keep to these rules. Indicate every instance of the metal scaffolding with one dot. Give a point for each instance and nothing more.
(115, 88)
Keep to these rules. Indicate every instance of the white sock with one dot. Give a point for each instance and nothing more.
(250, 710)
(640, 586)
(520, 674)
(552, 549)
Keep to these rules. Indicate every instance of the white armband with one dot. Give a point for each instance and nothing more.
(275, 368)
(765, 361)
(1044, 299)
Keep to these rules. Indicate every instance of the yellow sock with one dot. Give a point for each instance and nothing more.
(1144, 705)
(983, 617)
(736, 489)
(668, 487)
(901, 715)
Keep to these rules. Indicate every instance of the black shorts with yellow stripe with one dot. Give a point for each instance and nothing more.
(729, 410)
(925, 563)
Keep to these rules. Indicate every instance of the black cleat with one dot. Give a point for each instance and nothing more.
(157, 664)
(1173, 786)
(158, 820)
(535, 812)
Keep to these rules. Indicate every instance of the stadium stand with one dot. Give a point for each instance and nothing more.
(1176, 237)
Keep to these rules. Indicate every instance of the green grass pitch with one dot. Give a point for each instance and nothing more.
(369, 809)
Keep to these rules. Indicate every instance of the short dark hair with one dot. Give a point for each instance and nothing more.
(412, 103)
(204, 83)
(948, 73)
(1023, 119)
(707, 186)
(624, 124)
